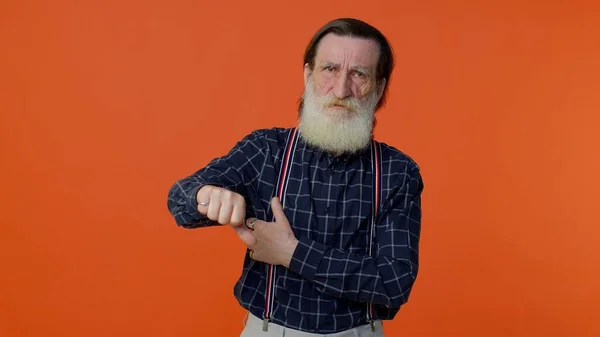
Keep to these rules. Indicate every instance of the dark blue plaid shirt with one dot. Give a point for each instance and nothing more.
(328, 203)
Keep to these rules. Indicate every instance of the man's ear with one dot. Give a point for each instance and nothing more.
(307, 73)
(380, 89)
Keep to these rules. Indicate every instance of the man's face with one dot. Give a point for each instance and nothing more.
(341, 94)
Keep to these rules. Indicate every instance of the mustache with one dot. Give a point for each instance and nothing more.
(351, 104)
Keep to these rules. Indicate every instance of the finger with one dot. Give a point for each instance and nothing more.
(203, 207)
(250, 223)
(225, 213)
(202, 199)
(256, 224)
(213, 209)
(237, 215)
(255, 255)
(278, 210)
(245, 235)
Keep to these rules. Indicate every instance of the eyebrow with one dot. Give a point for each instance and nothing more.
(361, 69)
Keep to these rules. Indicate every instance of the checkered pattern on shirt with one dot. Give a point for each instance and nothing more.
(328, 203)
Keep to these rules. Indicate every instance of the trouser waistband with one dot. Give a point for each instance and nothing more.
(254, 328)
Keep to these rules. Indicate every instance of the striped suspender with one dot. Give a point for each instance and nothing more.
(286, 166)
(376, 171)
(281, 189)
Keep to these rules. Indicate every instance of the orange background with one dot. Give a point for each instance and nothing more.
(106, 103)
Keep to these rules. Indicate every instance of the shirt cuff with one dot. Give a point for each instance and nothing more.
(307, 257)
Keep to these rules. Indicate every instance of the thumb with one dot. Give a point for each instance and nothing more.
(278, 210)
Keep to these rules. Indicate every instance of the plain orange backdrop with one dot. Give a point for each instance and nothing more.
(104, 104)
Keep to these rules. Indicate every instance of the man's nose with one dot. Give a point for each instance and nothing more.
(342, 89)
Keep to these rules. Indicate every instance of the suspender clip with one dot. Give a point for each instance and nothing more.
(265, 324)
(372, 322)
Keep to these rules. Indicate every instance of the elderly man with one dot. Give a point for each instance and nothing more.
(331, 217)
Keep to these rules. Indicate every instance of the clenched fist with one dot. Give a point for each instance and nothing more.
(225, 207)
(221, 205)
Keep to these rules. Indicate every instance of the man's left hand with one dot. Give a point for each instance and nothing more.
(275, 241)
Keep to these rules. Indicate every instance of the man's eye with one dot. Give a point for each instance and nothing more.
(359, 74)
(328, 68)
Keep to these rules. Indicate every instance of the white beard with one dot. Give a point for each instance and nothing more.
(334, 130)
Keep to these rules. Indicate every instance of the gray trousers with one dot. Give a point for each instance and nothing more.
(254, 328)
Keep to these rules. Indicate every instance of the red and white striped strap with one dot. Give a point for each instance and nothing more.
(282, 183)
(376, 172)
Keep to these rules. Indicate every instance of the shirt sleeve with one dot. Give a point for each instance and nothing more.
(233, 171)
(386, 277)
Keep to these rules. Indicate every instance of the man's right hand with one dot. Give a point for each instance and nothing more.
(225, 207)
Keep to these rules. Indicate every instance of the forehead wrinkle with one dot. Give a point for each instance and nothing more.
(338, 55)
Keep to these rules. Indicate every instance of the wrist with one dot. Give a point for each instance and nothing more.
(307, 257)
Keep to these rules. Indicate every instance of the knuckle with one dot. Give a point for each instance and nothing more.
(219, 191)
(227, 196)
